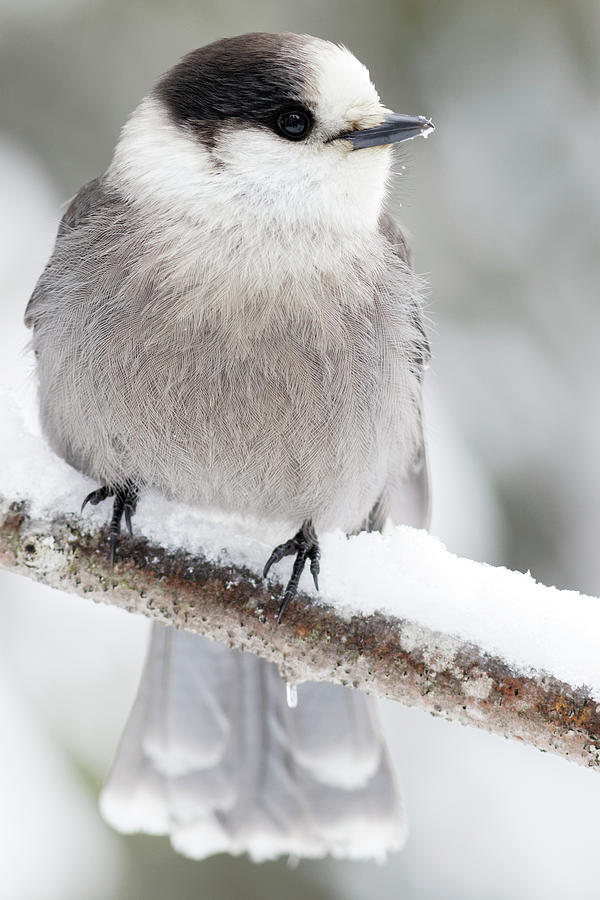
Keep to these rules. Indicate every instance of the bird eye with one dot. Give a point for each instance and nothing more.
(293, 124)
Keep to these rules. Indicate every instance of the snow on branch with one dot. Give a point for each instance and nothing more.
(487, 664)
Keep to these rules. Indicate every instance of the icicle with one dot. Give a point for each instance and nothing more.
(291, 695)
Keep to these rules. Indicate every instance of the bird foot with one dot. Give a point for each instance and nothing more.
(97, 496)
(306, 546)
(126, 497)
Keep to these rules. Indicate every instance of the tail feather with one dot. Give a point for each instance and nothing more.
(136, 799)
(200, 738)
(335, 735)
(213, 756)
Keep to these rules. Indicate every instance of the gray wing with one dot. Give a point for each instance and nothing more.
(89, 198)
(407, 502)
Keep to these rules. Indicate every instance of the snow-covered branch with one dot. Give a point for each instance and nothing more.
(358, 639)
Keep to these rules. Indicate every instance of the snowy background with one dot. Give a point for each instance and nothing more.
(503, 203)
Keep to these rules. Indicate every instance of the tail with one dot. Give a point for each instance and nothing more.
(213, 756)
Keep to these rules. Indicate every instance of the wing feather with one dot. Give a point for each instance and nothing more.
(407, 500)
(88, 199)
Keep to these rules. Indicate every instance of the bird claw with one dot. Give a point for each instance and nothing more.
(314, 554)
(113, 540)
(288, 549)
(306, 546)
(289, 595)
(129, 510)
(126, 497)
(97, 496)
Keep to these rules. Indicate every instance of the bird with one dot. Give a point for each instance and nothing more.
(230, 316)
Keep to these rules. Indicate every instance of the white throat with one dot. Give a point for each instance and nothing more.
(214, 211)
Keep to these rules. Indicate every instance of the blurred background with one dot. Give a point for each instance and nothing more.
(503, 208)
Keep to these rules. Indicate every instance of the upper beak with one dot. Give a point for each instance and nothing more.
(392, 130)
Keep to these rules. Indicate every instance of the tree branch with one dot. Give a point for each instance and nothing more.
(390, 657)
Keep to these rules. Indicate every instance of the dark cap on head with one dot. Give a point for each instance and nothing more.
(251, 77)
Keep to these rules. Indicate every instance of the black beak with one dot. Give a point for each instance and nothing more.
(393, 130)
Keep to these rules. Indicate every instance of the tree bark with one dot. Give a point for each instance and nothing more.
(390, 657)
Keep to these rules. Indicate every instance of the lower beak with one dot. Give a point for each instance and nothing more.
(394, 129)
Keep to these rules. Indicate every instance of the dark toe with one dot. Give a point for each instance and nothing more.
(113, 540)
(97, 496)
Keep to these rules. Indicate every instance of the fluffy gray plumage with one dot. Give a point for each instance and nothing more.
(303, 413)
(231, 318)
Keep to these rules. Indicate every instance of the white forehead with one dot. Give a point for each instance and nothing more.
(344, 92)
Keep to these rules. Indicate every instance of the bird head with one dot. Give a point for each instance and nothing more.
(279, 126)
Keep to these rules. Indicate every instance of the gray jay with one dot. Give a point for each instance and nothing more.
(230, 317)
